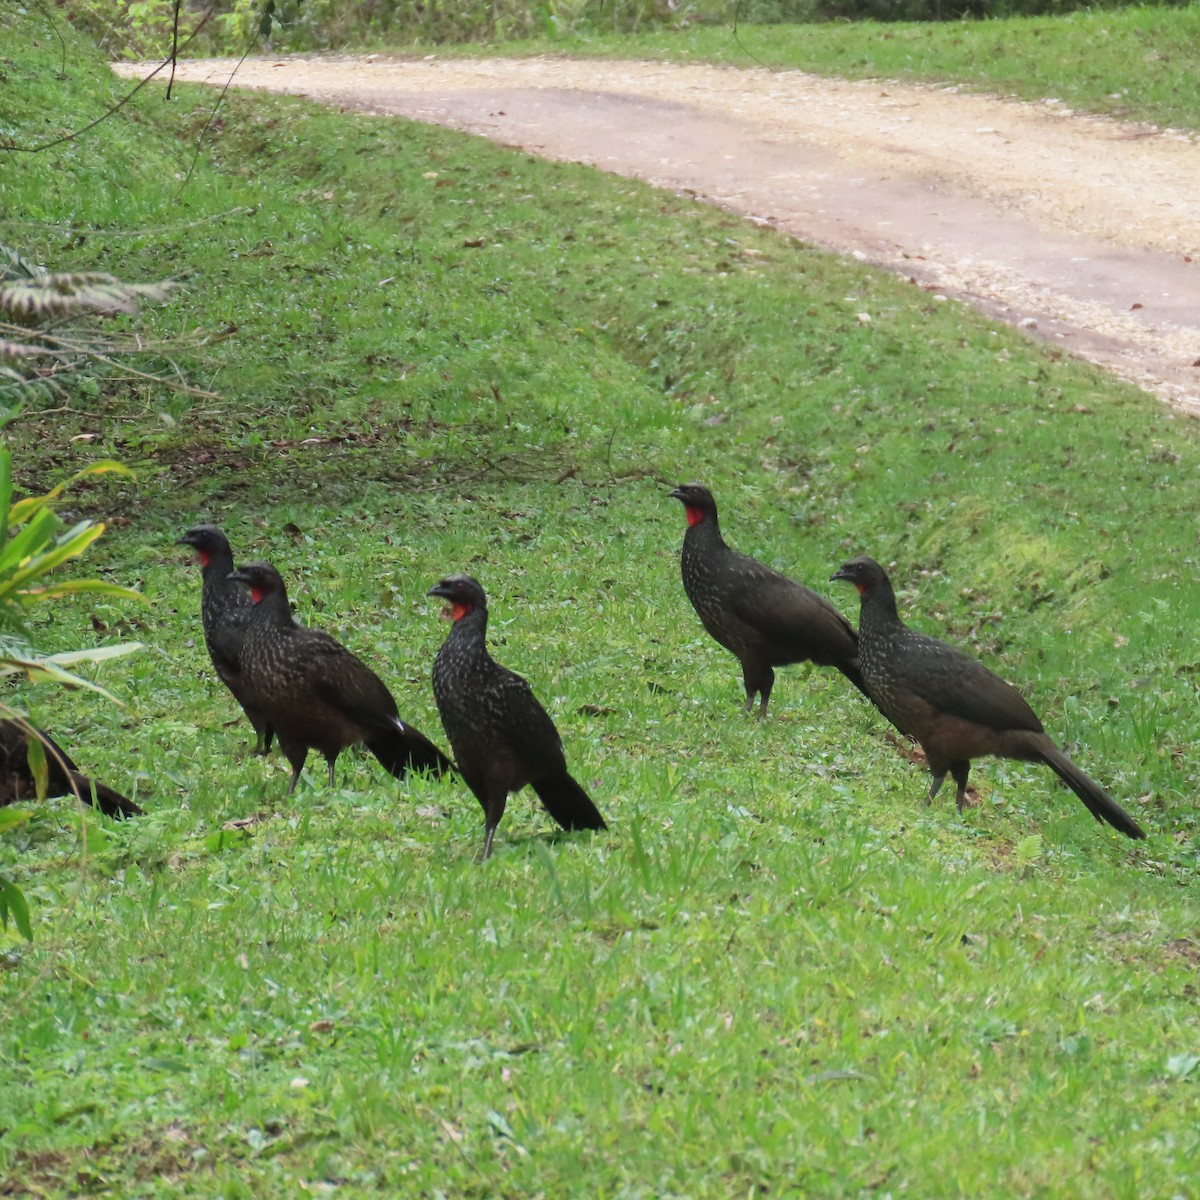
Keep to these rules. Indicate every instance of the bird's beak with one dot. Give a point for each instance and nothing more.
(447, 610)
(676, 493)
(840, 573)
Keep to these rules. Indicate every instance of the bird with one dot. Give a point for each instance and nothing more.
(315, 693)
(951, 704)
(501, 737)
(765, 619)
(225, 611)
(63, 777)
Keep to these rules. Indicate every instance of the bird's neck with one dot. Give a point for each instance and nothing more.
(470, 630)
(877, 612)
(274, 610)
(216, 569)
(704, 533)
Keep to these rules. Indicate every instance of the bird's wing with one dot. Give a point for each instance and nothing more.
(525, 722)
(225, 639)
(343, 681)
(956, 683)
(783, 610)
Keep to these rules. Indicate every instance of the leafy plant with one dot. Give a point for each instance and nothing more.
(33, 546)
(12, 900)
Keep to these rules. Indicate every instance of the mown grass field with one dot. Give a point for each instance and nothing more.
(779, 974)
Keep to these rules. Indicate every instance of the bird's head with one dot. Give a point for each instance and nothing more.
(697, 502)
(207, 540)
(260, 577)
(463, 594)
(865, 573)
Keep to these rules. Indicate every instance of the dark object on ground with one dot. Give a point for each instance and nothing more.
(953, 705)
(500, 735)
(764, 618)
(225, 609)
(62, 775)
(315, 694)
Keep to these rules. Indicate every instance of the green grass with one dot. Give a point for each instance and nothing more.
(778, 973)
(1133, 63)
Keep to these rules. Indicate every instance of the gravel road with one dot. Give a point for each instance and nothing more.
(1081, 230)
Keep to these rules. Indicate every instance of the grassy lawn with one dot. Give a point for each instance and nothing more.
(1133, 63)
(778, 973)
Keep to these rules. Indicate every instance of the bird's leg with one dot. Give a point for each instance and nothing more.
(938, 779)
(960, 771)
(296, 769)
(263, 736)
(331, 762)
(493, 811)
(758, 682)
(765, 685)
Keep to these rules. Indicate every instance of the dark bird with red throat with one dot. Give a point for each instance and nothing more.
(953, 705)
(502, 738)
(225, 612)
(765, 619)
(63, 777)
(316, 694)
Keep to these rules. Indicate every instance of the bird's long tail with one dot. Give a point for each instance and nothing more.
(109, 802)
(63, 777)
(1099, 803)
(567, 802)
(402, 748)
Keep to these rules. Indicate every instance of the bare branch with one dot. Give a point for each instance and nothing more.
(120, 104)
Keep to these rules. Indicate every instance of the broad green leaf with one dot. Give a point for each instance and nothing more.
(11, 817)
(76, 587)
(49, 669)
(12, 903)
(26, 542)
(70, 546)
(23, 509)
(35, 752)
(5, 491)
(69, 658)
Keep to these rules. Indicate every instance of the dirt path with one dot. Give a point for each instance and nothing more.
(1079, 229)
